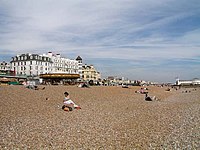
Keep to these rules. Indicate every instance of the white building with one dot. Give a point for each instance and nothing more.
(5, 66)
(31, 64)
(63, 65)
(80, 67)
(34, 64)
(195, 81)
(114, 80)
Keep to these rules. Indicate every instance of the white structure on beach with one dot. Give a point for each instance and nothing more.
(195, 81)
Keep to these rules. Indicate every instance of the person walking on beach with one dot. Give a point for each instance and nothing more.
(69, 105)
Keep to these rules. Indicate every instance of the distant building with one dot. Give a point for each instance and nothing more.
(114, 80)
(90, 73)
(31, 64)
(195, 81)
(4, 66)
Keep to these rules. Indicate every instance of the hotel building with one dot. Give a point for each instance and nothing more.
(31, 64)
(63, 65)
(34, 64)
(90, 73)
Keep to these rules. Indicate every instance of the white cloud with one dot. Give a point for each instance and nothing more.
(190, 38)
(119, 29)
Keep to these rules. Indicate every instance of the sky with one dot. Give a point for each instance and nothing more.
(137, 39)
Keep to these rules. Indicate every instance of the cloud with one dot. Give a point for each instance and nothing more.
(128, 30)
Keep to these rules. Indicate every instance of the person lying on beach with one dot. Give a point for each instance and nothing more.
(83, 85)
(149, 98)
(69, 105)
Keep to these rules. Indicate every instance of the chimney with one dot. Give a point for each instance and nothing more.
(58, 55)
(50, 54)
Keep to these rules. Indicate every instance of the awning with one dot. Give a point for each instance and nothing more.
(59, 76)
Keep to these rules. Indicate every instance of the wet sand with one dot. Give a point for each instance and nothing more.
(110, 118)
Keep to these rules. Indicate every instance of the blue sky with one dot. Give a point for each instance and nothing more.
(138, 39)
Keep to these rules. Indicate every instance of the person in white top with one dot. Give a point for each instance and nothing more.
(69, 105)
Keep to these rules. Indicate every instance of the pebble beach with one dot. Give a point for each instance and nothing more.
(110, 117)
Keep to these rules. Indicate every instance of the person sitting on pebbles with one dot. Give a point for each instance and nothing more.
(69, 105)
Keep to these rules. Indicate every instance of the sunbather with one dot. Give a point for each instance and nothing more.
(69, 105)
